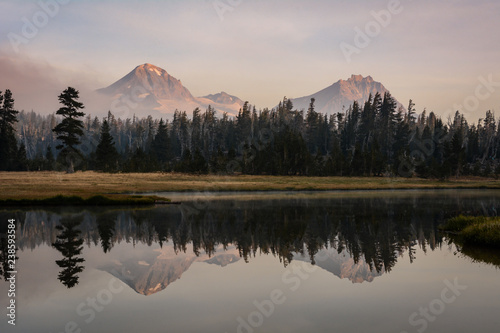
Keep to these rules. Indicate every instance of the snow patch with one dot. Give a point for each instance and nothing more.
(158, 72)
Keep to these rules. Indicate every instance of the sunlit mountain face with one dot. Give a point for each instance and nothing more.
(150, 90)
(340, 95)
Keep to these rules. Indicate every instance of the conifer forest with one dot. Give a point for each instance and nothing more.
(371, 139)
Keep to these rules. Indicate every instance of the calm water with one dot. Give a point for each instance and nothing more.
(260, 262)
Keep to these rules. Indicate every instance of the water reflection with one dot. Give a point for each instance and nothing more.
(4, 247)
(69, 243)
(4, 267)
(357, 238)
(155, 270)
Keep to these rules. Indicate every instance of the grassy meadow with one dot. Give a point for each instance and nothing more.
(43, 185)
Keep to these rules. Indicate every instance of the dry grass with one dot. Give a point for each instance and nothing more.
(39, 185)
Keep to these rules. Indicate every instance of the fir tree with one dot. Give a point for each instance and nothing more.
(8, 142)
(21, 163)
(70, 129)
(160, 144)
(106, 154)
(49, 159)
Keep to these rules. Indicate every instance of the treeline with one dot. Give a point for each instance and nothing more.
(372, 139)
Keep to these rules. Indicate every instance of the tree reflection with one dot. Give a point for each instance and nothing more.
(69, 243)
(376, 231)
(106, 229)
(4, 257)
(5, 260)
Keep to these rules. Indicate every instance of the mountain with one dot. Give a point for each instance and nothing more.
(223, 98)
(223, 102)
(152, 81)
(149, 88)
(342, 94)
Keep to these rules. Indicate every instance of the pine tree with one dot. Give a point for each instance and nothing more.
(106, 153)
(457, 153)
(8, 142)
(357, 163)
(410, 116)
(244, 124)
(70, 129)
(385, 126)
(21, 163)
(160, 144)
(196, 124)
(367, 123)
(377, 160)
(312, 119)
(49, 159)
(199, 164)
(186, 164)
(400, 147)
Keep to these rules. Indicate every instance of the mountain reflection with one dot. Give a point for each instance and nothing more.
(357, 238)
(159, 268)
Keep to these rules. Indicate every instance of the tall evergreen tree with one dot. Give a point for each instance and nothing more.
(244, 124)
(70, 129)
(21, 163)
(8, 142)
(49, 159)
(106, 153)
(160, 144)
(312, 127)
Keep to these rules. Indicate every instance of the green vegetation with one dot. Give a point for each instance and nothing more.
(487, 233)
(461, 222)
(475, 230)
(97, 200)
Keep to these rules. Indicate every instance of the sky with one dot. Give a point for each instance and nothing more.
(444, 55)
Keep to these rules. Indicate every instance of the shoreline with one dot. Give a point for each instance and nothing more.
(96, 200)
(361, 189)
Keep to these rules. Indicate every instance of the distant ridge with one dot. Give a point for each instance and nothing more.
(223, 98)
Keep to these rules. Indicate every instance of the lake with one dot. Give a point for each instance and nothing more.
(354, 261)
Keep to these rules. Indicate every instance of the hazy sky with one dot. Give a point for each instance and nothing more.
(434, 52)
